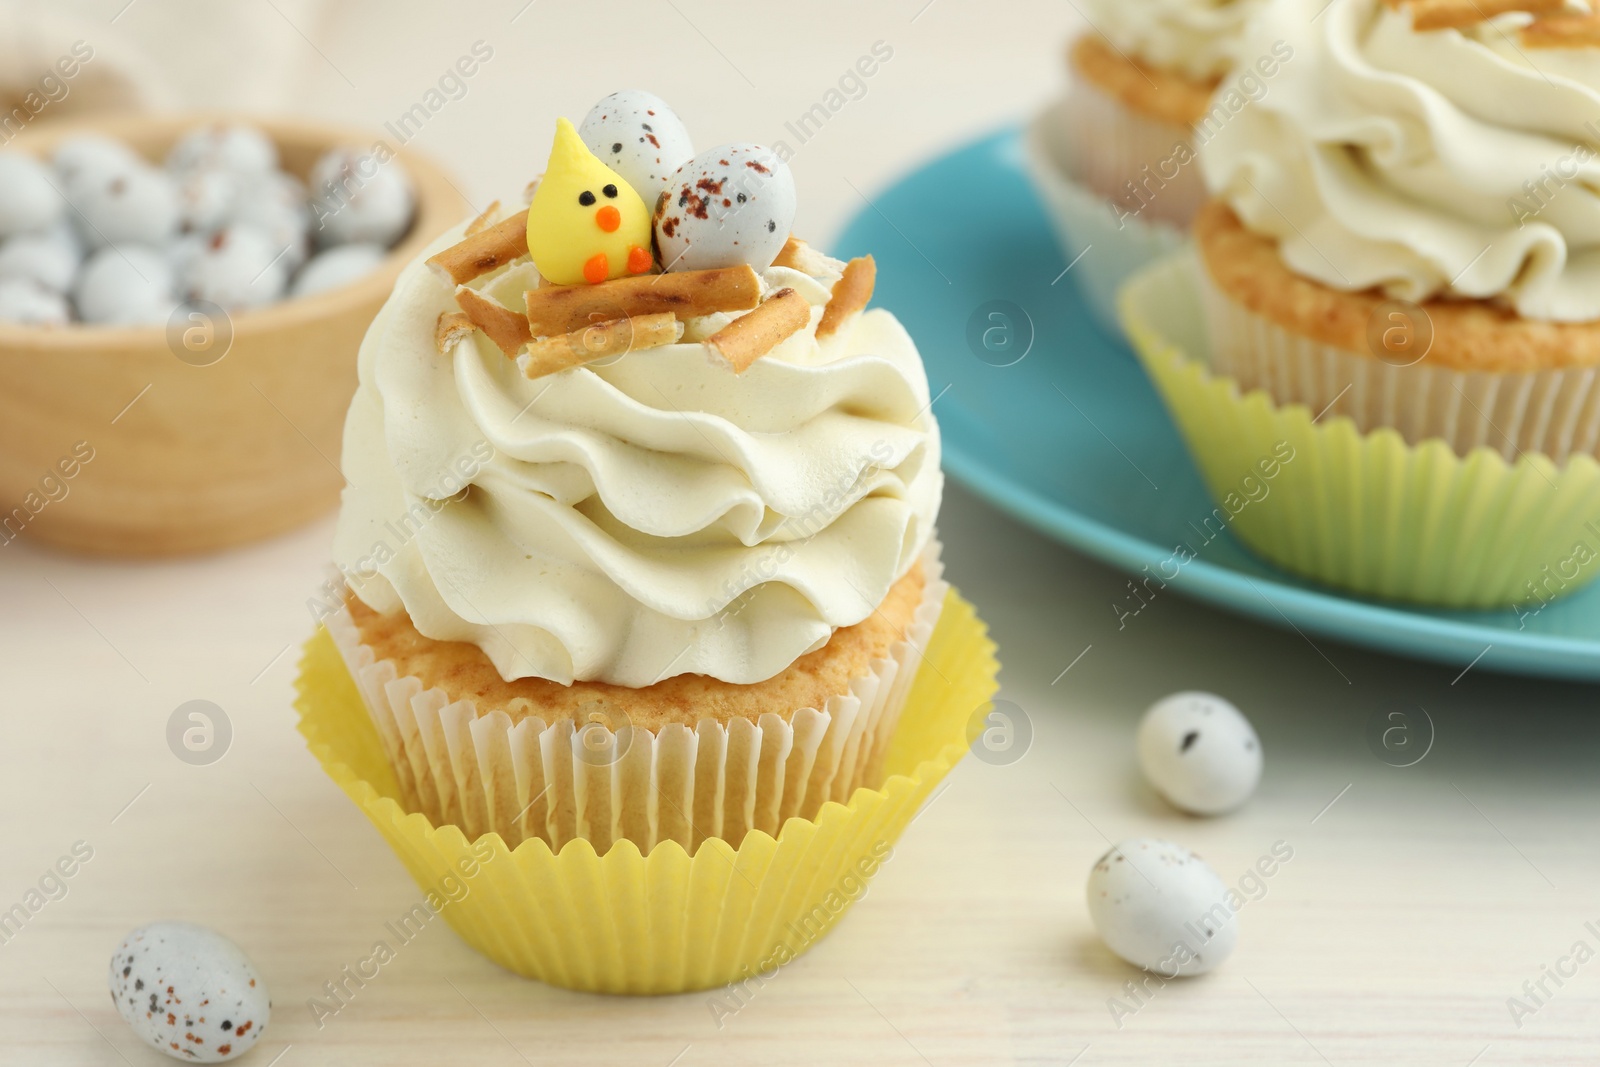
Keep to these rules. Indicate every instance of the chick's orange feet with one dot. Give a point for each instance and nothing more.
(639, 259)
(597, 268)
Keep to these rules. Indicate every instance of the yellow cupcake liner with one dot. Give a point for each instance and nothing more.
(1365, 512)
(667, 922)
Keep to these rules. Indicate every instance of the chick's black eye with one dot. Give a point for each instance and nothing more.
(586, 198)
(610, 191)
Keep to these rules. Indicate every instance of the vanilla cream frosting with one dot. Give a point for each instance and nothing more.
(1445, 162)
(641, 517)
(1196, 38)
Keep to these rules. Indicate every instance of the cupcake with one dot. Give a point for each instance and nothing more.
(1115, 158)
(639, 537)
(718, 557)
(1405, 243)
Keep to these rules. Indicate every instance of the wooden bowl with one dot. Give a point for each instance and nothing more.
(188, 457)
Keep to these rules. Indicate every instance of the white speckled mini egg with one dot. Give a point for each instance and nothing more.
(1162, 908)
(235, 268)
(206, 198)
(184, 250)
(28, 197)
(358, 198)
(25, 301)
(276, 203)
(637, 135)
(337, 267)
(92, 155)
(51, 258)
(730, 205)
(129, 285)
(224, 146)
(1200, 752)
(137, 205)
(189, 992)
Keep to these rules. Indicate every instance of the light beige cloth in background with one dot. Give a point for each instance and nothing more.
(37, 48)
(226, 55)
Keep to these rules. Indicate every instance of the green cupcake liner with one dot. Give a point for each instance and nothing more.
(1364, 512)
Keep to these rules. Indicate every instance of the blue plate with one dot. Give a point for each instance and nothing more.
(1054, 422)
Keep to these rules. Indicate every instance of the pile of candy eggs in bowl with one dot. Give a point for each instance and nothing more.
(98, 235)
(243, 381)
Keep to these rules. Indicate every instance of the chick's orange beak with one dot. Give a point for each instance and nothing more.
(608, 219)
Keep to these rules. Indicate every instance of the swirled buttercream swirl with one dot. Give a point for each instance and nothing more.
(642, 517)
(1444, 162)
(1195, 38)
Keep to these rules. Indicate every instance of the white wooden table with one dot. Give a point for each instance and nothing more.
(1418, 900)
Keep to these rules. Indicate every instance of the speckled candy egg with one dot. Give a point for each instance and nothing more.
(275, 202)
(235, 268)
(50, 258)
(1162, 908)
(28, 197)
(25, 301)
(92, 155)
(637, 135)
(728, 206)
(1200, 752)
(189, 992)
(137, 205)
(337, 267)
(357, 198)
(224, 146)
(206, 198)
(130, 285)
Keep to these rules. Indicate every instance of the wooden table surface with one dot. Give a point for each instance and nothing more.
(1417, 902)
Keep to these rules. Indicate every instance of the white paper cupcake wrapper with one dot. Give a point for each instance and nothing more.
(532, 779)
(1111, 145)
(1555, 412)
(1102, 248)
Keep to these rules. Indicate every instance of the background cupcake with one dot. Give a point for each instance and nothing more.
(1406, 234)
(1452, 169)
(1144, 75)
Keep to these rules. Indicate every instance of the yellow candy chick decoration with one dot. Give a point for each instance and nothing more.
(585, 223)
